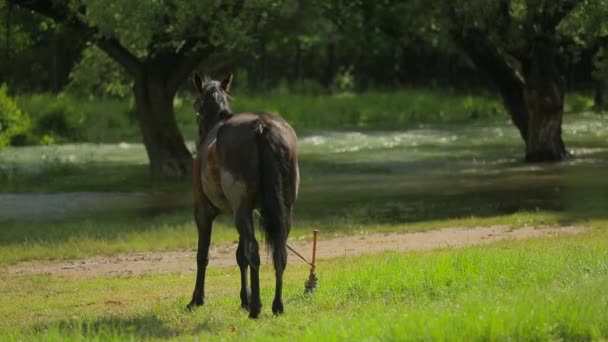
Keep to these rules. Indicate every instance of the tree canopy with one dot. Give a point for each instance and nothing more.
(526, 51)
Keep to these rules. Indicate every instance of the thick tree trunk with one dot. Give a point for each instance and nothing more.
(512, 94)
(534, 99)
(544, 97)
(169, 157)
(504, 74)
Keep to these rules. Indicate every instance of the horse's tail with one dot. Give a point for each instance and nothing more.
(275, 169)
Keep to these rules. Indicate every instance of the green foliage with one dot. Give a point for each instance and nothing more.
(225, 24)
(600, 63)
(37, 53)
(55, 118)
(14, 124)
(372, 109)
(578, 102)
(97, 75)
(586, 24)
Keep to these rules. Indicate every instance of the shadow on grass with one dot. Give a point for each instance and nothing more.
(93, 176)
(141, 327)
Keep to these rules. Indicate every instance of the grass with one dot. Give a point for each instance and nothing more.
(113, 120)
(543, 289)
(76, 239)
(352, 182)
(420, 177)
(374, 110)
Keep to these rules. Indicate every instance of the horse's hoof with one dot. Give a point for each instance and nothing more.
(254, 311)
(245, 306)
(277, 307)
(194, 304)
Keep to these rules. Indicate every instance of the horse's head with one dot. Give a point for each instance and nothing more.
(211, 105)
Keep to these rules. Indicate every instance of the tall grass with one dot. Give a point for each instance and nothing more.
(373, 110)
(113, 120)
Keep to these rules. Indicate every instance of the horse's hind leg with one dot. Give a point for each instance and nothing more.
(204, 213)
(279, 258)
(241, 260)
(244, 224)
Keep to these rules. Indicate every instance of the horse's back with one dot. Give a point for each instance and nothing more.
(239, 152)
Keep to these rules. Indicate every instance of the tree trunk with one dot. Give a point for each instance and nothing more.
(502, 72)
(601, 95)
(544, 97)
(169, 157)
(534, 100)
(329, 71)
(512, 94)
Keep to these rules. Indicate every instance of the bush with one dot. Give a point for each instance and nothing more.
(97, 75)
(578, 102)
(54, 118)
(14, 124)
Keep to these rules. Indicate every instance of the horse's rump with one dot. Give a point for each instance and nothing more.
(260, 151)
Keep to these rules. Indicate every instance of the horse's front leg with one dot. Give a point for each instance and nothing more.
(204, 213)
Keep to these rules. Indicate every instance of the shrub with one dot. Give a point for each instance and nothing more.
(54, 118)
(97, 75)
(14, 124)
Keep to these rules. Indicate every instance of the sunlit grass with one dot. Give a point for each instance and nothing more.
(549, 288)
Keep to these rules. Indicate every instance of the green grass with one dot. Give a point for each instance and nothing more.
(354, 181)
(76, 239)
(373, 110)
(113, 120)
(410, 180)
(543, 289)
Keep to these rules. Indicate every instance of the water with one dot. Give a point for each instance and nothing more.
(427, 172)
(54, 206)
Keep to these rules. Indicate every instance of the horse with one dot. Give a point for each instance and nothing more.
(245, 162)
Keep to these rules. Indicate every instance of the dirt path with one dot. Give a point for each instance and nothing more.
(224, 256)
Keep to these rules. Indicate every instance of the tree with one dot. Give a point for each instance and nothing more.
(36, 54)
(521, 51)
(159, 44)
(524, 47)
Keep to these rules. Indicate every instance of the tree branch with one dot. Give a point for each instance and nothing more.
(550, 22)
(61, 13)
(121, 55)
(212, 61)
(189, 58)
(501, 68)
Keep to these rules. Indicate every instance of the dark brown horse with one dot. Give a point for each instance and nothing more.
(245, 162)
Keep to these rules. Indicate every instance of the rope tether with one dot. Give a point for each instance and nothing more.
(311, 284)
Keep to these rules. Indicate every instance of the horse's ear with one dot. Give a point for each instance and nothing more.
(198, 81)
(227, 83)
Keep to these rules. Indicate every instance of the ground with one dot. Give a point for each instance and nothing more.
(184, 261)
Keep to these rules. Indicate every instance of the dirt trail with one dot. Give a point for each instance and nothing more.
(224, 256)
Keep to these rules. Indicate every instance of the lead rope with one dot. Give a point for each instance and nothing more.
(311, 284)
